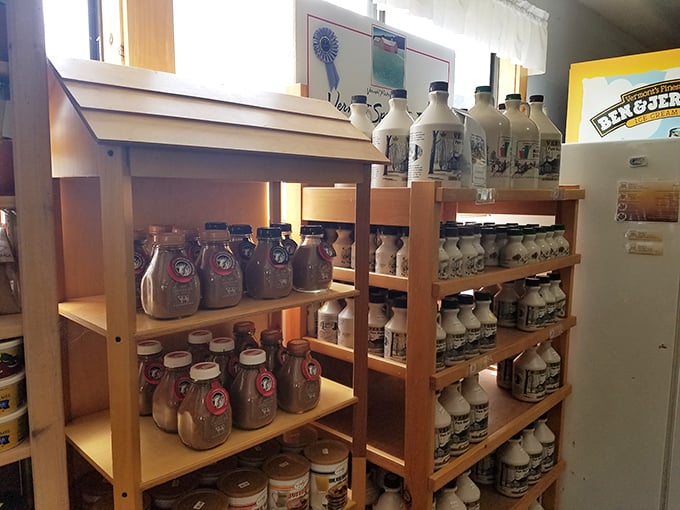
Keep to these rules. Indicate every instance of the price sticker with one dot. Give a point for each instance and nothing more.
(485, 196)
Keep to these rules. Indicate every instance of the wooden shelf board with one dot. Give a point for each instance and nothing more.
(8, 202)
(384, 281)
(11, 326)
(19, 452)
(507, 416)
(512, 195)
(164, 457)
(496, 501)
(493, 275)
(509, 342)
(385, 444)
(376, 363)
(90, 312)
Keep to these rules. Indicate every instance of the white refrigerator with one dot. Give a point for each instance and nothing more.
(621, 438)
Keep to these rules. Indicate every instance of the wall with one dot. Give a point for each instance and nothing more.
(575, 34)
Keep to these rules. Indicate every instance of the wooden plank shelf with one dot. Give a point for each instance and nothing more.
(384, 281)
(507, 416)
(164, 457)
(509, 343)
(90, 312)
(493, 499)
(442, 288)
(19, 452)
(11, 326)
(375, 363)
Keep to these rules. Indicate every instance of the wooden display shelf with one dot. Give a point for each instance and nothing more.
(164, 457)
(19, 452)
(391, 206)
(8, 202)
(11, 326)
(509, 343)
(90, 312)
(376, 363)
(492, 499)
(507, 416)
(492, 275)
(384, 281)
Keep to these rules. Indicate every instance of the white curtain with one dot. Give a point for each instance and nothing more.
(513, 29)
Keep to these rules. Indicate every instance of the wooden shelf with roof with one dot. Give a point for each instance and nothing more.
(401, 416)
(132, 147)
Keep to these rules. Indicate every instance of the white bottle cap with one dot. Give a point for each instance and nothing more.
(252, 357)
(204, 371)
(200, 336)
(177, 359)
(148, 347)
(222, 344)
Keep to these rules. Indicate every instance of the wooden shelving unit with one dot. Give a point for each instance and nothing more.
(401, 396)
(34, 203)
(161, 149)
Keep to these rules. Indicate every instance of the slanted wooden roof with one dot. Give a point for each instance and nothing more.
(130, 106)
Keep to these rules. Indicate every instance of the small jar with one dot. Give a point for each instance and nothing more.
(467, 248)
(192, 246)
(512, 469)
(472, 325)
(489, 246)
(459, 409)
(253, 392)
(241, 245)
(205, 499)
(269, 272)
(244, 336)
(204, 416)
(223, 352)
(149, 372)
(377, 318)
(553, 360)
(287, 240)
(479, 408)
(386, 254)
(550, 301)
(528, 376)
(560, 296)
(531, 308)
(313, 261)
(327, 321)
(562, 244)
(547, 438)
(456, 333)
(529, 242)
(170, 286)
(543, 246)
(299, 379)
(171, 390)
(534, 449)
(245, 488)
(271, 342)
(199, 345)
(141, 262)
(487, 320)
(505, 305)
(343, 246)
(402, 254)
(396, 331)
(288, 476)
(514, 253)
(219, 271)
(455, 256)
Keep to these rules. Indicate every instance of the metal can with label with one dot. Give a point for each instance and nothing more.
(328, 481)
